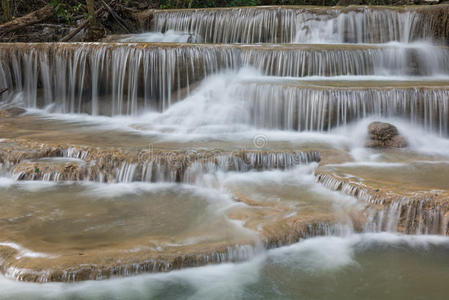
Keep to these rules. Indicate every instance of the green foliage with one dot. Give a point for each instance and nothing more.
(243, 3)
(167, 4)
(78, 8)
(62, 11)
(170, 4)
(204, 3)
(67, 12)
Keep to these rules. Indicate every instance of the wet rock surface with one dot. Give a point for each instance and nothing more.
(97, 237)
(397, 197)
(32, 161)
(384, 135)
(122, 196)
(90, 243)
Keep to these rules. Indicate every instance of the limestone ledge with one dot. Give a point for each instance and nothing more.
(112, 262)
(36, 161)
(276, 224)
(394, 208)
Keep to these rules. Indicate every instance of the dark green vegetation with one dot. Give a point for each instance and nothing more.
(230, 3)
(68, 9)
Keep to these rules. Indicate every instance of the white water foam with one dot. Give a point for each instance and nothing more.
(170, 36)
(420, 141)
(24, 252)
(315, 257)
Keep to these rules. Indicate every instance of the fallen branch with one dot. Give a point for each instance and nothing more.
(57, 26)
(2, 91)
(29, 19)
(82, 26)
(122, 23)
(75, 32)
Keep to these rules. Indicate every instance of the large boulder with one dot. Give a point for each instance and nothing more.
(384, 135)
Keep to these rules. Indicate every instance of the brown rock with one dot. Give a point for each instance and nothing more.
(384, 135)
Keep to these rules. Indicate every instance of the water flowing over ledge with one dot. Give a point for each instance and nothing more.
(304, 24)
(415, 213)
(223, 254)
(305, 266)
(281, 226)
(117, 79)
(103, 165)
(90, 198)
(310, 106)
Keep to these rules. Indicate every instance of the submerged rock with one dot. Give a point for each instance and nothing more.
(384, 135)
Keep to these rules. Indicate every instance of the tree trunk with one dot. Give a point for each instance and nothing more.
(29, 19)
(6, 10)
(91, 12)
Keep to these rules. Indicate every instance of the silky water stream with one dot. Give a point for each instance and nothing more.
(229, 171)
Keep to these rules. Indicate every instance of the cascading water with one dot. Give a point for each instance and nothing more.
(302, 25)
(180, 147)
(309, 106)
(123, 79)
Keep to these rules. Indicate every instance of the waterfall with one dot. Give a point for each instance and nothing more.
(122, 79)
(418, 214)
(304, 25)
(147, 166)
(409, 216)
(301, 107)
(221, 134)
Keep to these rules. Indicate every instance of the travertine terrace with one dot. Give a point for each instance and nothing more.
(219, 134)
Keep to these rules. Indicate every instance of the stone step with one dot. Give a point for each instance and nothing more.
(409, 197)
(67, 233)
